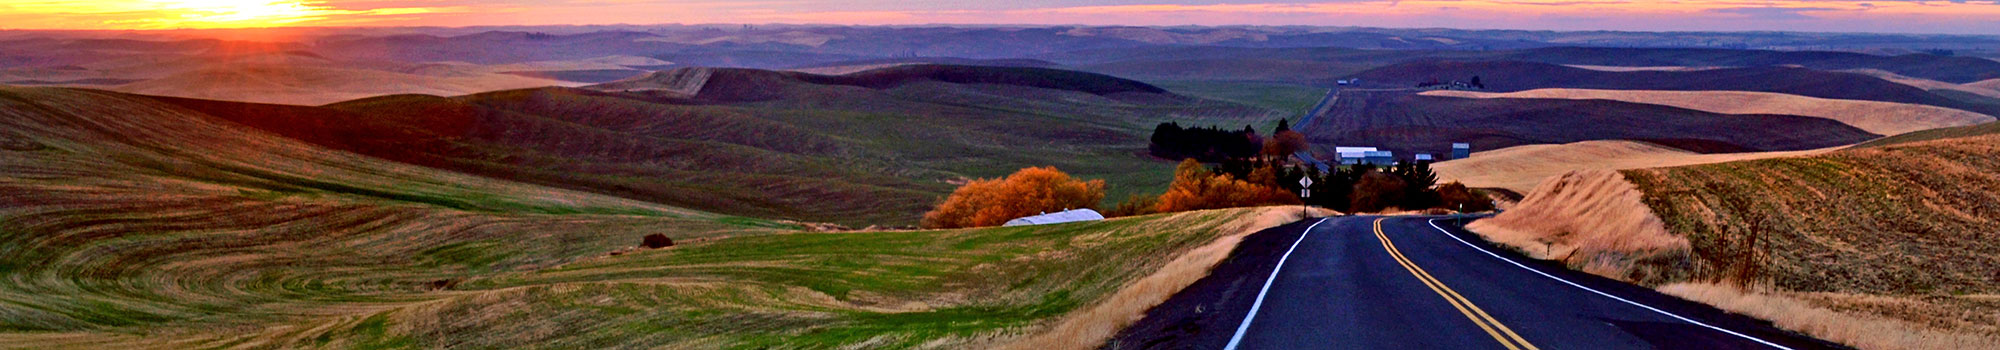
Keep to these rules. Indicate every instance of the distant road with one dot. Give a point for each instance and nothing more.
(1420, 283)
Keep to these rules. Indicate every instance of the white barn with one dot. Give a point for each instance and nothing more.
(1057, 218)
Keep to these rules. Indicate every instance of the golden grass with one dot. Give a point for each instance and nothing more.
(1089, 328)
(1592, 220)
(1521, 168)
(1884, 118)
(1862, 330)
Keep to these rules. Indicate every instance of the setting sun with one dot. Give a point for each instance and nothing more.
(231, 13)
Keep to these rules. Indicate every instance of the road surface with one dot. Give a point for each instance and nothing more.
(1420, 283)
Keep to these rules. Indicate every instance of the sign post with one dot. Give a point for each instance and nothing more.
(1305, 191)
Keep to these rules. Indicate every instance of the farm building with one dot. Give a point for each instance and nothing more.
(1057, 218)
(1461, 150)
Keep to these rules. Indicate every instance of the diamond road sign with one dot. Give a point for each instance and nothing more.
(1305, 182)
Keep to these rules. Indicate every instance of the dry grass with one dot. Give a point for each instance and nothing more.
(1859, 329)
(1899, 232)
(1521, 168)
(1591, 220)
(1089, 328)
(1885, 118)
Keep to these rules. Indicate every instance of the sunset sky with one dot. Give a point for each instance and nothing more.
(1954, 17)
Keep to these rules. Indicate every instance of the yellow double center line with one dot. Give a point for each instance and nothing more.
(1479, 317)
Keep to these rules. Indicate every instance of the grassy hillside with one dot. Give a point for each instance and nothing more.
(1901, 231)
(133, 223)
(125, 213)
(1510, 76)
(1407, 122)
(1936, 134)
(876, 147)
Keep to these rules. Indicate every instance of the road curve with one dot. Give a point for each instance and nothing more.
(1364, 282)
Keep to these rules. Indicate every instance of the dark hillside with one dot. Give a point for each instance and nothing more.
(1311, 64)
(1940, 68)
(749, 85)
(1405, 122)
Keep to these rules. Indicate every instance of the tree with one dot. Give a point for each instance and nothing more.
(1476, 83)
(1377, 191)
(1285, 143)
(1030, 191)
(1283, 126)
(1195, 187)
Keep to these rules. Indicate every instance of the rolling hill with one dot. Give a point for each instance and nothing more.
(1508, 76)
(860, 149)
(1407, 122)
(1875, 117)
(316, 85)
(1521, 168)
(1321, 64)
(134, 222)
(1885, 246)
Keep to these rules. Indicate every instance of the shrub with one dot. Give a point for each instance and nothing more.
(1030, 191)
(1137, 204)
(1197, 188)
(1455, 196)
(657, 241)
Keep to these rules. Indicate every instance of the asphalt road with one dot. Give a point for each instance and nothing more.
(1421, 283)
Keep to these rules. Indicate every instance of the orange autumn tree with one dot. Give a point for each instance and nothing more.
(1030, 191)
(1196, 188)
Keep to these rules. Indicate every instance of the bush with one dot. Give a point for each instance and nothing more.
(1030, 191)
(1196, 187)
(656, 241)
(1455, 196)
(1135, 205)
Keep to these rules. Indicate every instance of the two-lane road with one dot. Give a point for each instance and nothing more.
(1420, 283)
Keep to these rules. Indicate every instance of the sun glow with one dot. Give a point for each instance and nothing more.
(232, 13)
(183, 14)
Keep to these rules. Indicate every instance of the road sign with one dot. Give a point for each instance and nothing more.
(1305, 182)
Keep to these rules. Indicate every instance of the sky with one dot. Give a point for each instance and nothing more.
(1891, 16)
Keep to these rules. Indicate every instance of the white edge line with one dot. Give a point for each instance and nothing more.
(1245, 327)
(1434, 224)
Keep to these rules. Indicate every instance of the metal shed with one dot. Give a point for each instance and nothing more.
(1057, 218)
